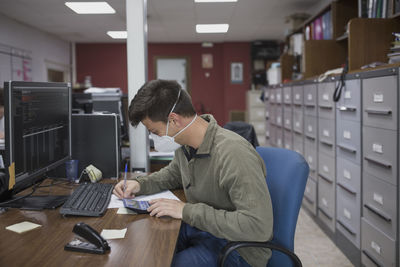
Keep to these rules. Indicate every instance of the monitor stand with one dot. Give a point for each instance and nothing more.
(37, 202)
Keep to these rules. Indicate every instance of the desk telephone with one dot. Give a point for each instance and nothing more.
(96, 243)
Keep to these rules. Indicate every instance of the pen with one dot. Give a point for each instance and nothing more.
(126, 170)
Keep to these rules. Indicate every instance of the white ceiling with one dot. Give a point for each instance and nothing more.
(168, 20)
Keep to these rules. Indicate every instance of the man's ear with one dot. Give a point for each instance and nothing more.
(174, 119)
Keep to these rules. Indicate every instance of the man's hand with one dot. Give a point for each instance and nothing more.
(132, 187)
(166, 207)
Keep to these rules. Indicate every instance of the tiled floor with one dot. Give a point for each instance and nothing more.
(313, 246)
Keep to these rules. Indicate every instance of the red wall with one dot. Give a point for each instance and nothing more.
(106, 64)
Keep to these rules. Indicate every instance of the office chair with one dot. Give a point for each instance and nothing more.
(287, 173)
(243, 129)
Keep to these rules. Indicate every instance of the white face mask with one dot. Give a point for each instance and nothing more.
(167, 143)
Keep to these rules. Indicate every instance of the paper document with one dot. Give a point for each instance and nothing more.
(113, 234)
(22, 227)
(115, 202)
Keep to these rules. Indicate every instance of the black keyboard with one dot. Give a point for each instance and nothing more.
(88, 200)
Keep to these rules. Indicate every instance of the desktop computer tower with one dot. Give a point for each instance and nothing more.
(96, 140)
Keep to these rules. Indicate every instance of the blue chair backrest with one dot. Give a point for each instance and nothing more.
(287, 174)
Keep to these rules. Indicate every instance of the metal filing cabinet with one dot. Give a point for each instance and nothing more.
(287, 117)
(348, 161)
(380, 168)
(256, 114)
(326, 153)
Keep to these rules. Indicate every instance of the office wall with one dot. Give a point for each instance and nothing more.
(46, 50)
(214, 93)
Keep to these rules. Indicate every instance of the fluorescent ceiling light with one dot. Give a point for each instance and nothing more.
(118, 34)
(90, 7)
(214, 1)
(212, 28)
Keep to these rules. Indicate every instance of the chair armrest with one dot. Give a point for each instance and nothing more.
(231, 246)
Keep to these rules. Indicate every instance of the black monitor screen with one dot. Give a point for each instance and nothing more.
(37, 126)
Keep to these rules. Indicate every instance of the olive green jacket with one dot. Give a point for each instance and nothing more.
(225, 189)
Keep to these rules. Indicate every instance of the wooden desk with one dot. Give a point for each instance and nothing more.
(149, 241)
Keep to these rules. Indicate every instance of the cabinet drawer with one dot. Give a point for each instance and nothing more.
(310, 99)
(268, 131)
(298, 120)
(377, 249)
(348, 215)
(272, 94)
(259, 127)
(267, 92)
(348, 137)
(380, 102)
(310, 196)
(348, 175)
(257, 113)
(272, 133)
(288, 139)
(380, 153)
(279, 115)
(278, 95)
(287, 95)
(253, 99)
(326, 203)
(310, 127)
(298, 95)
(298, 143)
(310, 155)
(326, 106)
(349, 105)
(268, 111)
(287, 117)
(279, 136)
(326, 167)
(327, 136)
(379, 204)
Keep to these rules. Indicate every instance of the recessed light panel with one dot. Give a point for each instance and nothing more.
(90, 7)
(212, 28)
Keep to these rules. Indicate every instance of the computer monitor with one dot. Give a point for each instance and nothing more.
(37, 129)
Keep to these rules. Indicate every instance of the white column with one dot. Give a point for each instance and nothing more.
(136, 25)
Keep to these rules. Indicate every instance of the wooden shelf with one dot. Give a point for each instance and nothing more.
(344, 37)
(370, 40)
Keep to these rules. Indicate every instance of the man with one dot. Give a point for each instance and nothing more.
(222, 176)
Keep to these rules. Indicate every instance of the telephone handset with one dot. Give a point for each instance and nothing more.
(96, 243)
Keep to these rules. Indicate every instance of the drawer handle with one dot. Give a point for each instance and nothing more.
(297, 131)
(310, 137)
(378, 212)
(326, 142)
(325, 178)
(344, 108)
(345, 226)
(312, 169)
(325, 213)
(348, 189)
(325, 107)
(372, 258)
(309, 199)
(296, 104)
(379, 111)
(384, 164)
(309, 105)
(350, 149)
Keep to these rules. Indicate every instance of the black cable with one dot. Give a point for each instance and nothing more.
(341, 83)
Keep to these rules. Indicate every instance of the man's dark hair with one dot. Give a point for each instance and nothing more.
(155, 100)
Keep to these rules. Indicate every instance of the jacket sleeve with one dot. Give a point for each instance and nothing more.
(242, 176)
(168, 178)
